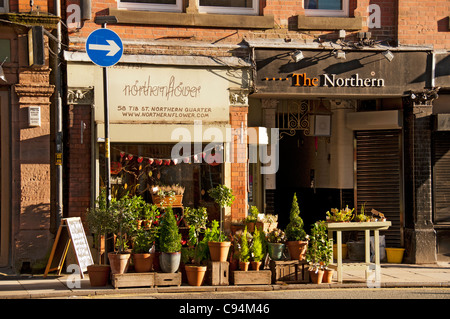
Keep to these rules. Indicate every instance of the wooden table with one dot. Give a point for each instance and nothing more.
(358, 226)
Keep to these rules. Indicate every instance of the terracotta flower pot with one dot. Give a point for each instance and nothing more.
(98, 275)
(243, 265)
(327, 276)
(143, 262)
(219, 250)
(297, 249)
(256, 265)
(195, 274)
(119, 262)
(316, 276)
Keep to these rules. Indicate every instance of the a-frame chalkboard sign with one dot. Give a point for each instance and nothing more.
(70, 231)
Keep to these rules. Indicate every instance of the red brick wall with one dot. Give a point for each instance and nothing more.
(77, 158)
(239, 209)
(424, 23)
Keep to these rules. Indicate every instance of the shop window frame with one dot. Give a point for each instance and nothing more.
(344, 12)
(138, 6)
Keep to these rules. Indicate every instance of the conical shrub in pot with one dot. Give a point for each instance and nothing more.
(257, 249)
(297, 239)
(169, 242)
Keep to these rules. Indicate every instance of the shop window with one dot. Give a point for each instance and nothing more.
(326, 8)
(150, 5)
(248, 7)
(3, 6)
(135, 168)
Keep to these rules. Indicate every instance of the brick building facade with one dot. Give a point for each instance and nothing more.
(247, 50)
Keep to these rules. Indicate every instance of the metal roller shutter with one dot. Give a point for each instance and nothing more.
(379, 178)
(441, 172)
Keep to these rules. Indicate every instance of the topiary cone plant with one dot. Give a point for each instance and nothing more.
(297, 239)
(169, 242)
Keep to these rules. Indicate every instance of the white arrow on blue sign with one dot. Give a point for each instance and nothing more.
(104, 47)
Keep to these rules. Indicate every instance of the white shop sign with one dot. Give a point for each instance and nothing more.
(167, 95)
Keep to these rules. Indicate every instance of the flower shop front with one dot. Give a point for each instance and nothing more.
(164, 128)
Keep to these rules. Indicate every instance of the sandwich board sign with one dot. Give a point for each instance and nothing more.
(70, 231)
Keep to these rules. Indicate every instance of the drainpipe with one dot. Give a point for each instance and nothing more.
(58, 124)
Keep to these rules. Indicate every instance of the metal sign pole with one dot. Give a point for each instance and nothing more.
(104, 47)
(107, 150)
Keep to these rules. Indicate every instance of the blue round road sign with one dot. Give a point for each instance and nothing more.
(104, 47)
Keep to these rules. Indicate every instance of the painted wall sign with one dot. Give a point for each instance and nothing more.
(319, 73)
(143, 94)
(329, 80)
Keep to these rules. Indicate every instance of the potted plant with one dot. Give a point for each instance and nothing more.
(194, 257)
(319, 253)
(147, 213)
(267, 222)
(169, 242)
(244, 250)
(251, 219)
(276, 240)
(167, 195)
(218, 244)
(343, 215)
(361, 217)
(257, 250)
(143, 249)
(223, 196)
(98, 219)
(197, 217)
(123, 218)
(297, 239)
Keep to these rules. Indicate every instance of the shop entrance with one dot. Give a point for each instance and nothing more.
(298, 173)
(305, 166)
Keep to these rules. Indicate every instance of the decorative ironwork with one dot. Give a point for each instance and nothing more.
(293, 116)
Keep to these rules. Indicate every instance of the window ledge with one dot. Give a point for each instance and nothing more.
(329, 23)
(192, 19)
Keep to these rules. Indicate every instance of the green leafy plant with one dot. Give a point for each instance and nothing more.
(244, 251)
(252, 215)
(222, 195)
(197, 217)
(361, 217)
(197, 251)
(99, 219)
(214, 234)
(320, 250)
(257, 248)
(169, 235)
(144, 240)
(123, 220)
(294, 229)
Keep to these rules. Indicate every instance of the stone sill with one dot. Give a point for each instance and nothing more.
(192, 19)
(329, 23)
